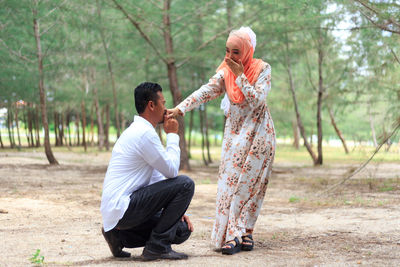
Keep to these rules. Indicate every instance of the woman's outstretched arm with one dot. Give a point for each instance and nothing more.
(213, 89)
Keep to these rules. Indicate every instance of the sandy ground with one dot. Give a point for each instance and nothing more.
(56, 209)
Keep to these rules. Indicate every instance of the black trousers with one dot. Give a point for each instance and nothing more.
(153, 217)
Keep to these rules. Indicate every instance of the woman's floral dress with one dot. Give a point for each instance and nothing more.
(248, 151)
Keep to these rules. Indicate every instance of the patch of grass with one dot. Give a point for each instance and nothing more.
(36, 258)
(294, 199)
(386, 188)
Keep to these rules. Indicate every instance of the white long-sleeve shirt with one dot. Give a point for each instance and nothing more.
(138, 160)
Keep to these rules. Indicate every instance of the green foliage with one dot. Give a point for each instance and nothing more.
(37, 258)
(294, 199)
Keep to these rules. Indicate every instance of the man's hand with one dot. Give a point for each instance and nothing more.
(236, 68)
(173, 113)
(189, 223)
(170, 125)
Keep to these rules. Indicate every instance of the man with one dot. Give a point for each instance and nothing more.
(139, 206)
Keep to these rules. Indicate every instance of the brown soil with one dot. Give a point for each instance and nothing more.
(56, 209)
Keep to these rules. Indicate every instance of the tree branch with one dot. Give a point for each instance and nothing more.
(362, 166)
(19, 55)
(137, 26)
(395, 56)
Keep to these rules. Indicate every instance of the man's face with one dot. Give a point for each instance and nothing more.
(159, 109)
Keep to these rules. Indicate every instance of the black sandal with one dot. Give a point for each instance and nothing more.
(247, 239)
(232, 248)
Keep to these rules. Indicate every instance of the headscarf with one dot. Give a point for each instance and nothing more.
(245, 39)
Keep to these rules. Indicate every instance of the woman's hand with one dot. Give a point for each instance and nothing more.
(173, 113)
(236, 68)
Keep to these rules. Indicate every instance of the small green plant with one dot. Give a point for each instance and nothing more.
(37, 258)
(294, 199)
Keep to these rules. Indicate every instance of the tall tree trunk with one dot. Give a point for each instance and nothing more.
(201, 112)
(206, 133)
(77, 119)
(99, 119)
(107, 128)
(37, 126)
(68, 124)
(338, 132)
(190, 132)
(296, 137)
(83, 111)
(17, 125)
(25, 121)
(47, 147)
(109, 65)
(319, 99)
(92, 125)
(123, 122)
(9, 126)
(30, 123)
(173, 82)
(296, 108)
(1, 140)
(55, 115)
(61, 129)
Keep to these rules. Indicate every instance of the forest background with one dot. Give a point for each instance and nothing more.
(69, 69)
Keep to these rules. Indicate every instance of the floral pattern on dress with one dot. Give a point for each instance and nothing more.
(248, 151)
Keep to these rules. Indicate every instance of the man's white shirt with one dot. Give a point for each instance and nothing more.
(138, 159)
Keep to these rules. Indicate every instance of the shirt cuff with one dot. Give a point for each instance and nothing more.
(172, 139)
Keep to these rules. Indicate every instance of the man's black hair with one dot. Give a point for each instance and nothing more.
(144, 93)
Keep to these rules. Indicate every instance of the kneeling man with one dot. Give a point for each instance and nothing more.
(144, 201)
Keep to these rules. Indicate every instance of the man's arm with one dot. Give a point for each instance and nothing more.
(165, 160)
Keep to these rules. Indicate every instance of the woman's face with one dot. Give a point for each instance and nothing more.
(233, 51)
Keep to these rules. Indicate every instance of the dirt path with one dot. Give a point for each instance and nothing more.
(56, 210)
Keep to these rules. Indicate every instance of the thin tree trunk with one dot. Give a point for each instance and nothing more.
(61, 130)
(107, 128)
(66, 129)
(30, 121)
(99, 119)
(37, 126)
(17, 125)
(55, 115)
(201, 111)
(173, 82)
(49, 153)
(109, 65)
(338, 132)
(206, 133)
(123, 120)
(77, 119)
(68, 122)
(92, 125)
(319, 100)
(25, 121)
(296, 137)
(1, 140)
(9, 127)
(296, 108)
(83, 111)
(190, 133)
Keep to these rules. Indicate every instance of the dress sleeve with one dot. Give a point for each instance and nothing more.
(213, 89)
(257, 94)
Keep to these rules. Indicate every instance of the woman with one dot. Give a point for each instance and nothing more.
(248, 147)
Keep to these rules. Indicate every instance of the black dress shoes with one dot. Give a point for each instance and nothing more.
(149, 255)
(114, 244)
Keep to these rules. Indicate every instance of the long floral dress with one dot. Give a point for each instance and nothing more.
(248, 151)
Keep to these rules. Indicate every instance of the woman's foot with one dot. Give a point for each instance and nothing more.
(247, 242)
(231, 247)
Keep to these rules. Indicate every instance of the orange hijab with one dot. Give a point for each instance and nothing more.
(252, 66)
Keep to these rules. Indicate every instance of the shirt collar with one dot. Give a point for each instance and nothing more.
(142, 120)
